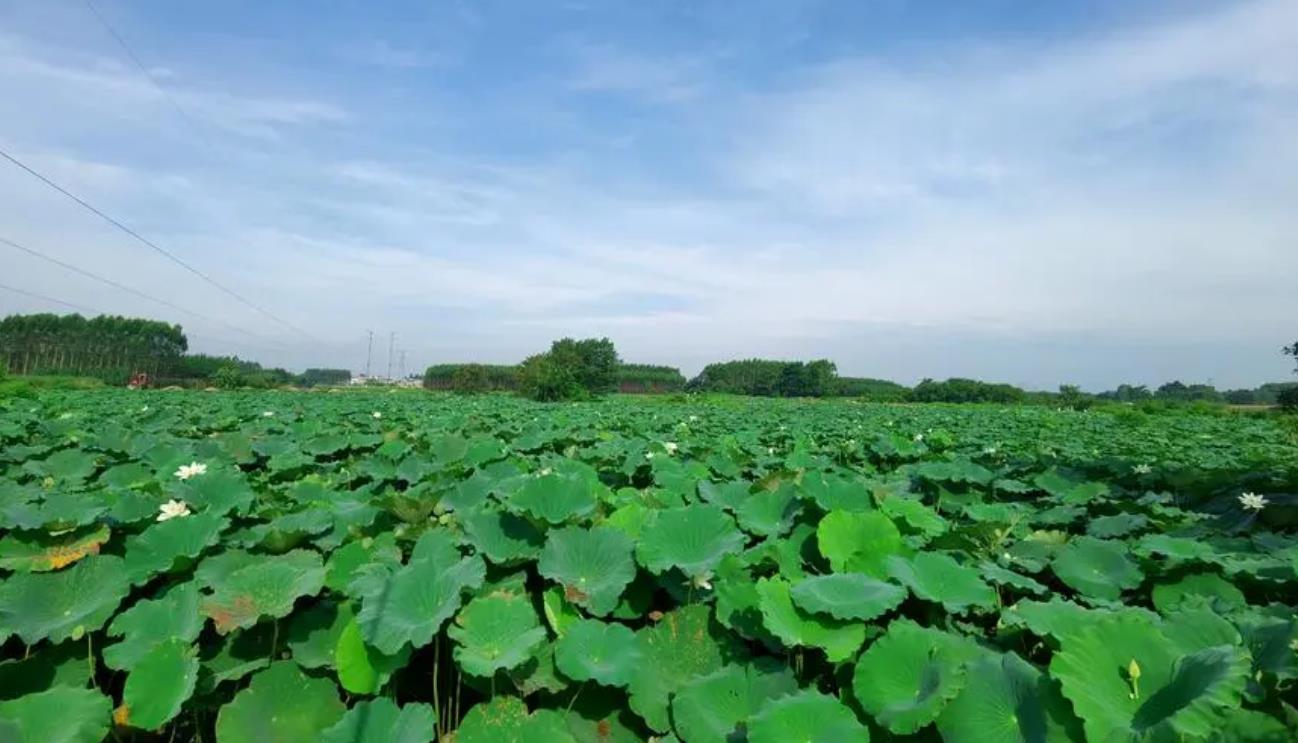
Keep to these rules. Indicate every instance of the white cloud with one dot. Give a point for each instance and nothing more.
(1129, 193)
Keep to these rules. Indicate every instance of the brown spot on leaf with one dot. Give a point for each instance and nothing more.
(242, 610)
(122, 716)
(656, 616)
(575, 594)
(603, 729)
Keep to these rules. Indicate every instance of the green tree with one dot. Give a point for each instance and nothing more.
(228, 377)
(471, 379)
(570, 370)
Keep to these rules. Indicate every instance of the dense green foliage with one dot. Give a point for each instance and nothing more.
(965, 390)
(874, 390)
(317, 377)
(477, 378)
(379, 566)
(107, 347)
(766, 378)
(649, 378)
(471, 378)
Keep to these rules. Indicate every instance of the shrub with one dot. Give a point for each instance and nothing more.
(471, 379)
(570, 370)
(227, 377)
(1288, 400)
(542, 377)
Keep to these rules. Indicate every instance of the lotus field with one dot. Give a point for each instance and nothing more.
(401, 567)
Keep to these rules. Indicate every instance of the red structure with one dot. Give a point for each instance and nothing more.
(139, 381)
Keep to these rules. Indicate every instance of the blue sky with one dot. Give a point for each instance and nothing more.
(1085, 192)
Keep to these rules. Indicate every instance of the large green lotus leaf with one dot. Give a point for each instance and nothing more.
(795, 627)
(159, 684)
(994, 573)
(503, 537)
(1070, 492)
(847, 596)
(381, 721)
(63, 510)
(692, 538)
(61, 715)
(63, 604)
(153, 621)
(281, 705)
(1191, 628)
(1214, 588)
(599, 715)
(1007, 700)
(710, 708)
(907, 677)
(218, 492)
(70, 465)
(1118, 525)
(1175, 549)
(1053, 618)
(937, 577)
(1096, 568)
(496, 633)
(859, 542)
(684, 644)
(345, 562)
(158, 548)
(1175, 695)
(235, 656)
(65, 664)
(606, 653)
(806, 716)
(593, 565)
(408, 605)
(769, 514)
(915, 514)
(559, 613)
(738, 605)
(36, 552)
(505, 719)
(266, 588)
(362, 669)
(216, 568)
(728, 495)
(555, 497)
(313, 634)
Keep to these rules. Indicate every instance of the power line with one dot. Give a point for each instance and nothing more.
(44, 298)
(130, 54)
(123, 287)
(153, 246)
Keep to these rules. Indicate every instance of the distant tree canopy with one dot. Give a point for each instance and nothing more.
(106, 347)
(316, 377)
(649, 378)
(874, 390)
(767, 378)
(958, 389)
(570, 370)
(1292, 351)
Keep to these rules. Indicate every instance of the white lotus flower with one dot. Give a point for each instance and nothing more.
(702, 581)
(172, 509)
(268, 414)
(544, 471)
(670, 446)
(919, 437)
(144, 409)
(376, 414)
(770, 450)
(693, 418)
(1142, 469)
(1253, 501)
(193, 469)
(648, 455)
(990, 451)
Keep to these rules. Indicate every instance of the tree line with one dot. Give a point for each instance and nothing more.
(107, 347)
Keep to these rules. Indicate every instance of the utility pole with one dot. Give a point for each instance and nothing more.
(392, 338)
(402, 367)
(369, 353)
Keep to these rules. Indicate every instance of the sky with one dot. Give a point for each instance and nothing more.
(1087, 192)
